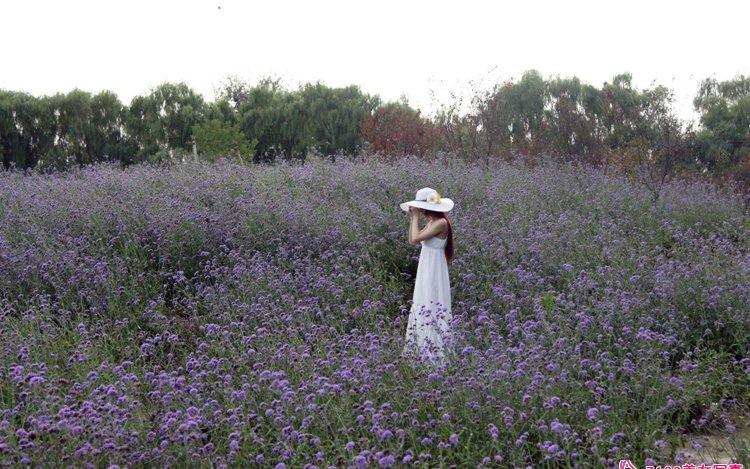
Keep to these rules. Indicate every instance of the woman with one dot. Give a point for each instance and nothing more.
(427, 330)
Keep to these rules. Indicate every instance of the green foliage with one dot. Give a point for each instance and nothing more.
(165, 118)
(61, 130)
(335, 116)
(511, 115)
(275, 119)
(215, 139)
(234, 91)
(548, 302)
(724, 138)
(221, 110)
(562, 116)
(107, 140)
(574, 114)
(26, 128)
(292, 122)
(615, 123)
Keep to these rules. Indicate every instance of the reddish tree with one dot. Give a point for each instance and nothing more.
(397, 129)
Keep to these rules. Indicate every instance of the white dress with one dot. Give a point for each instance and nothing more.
(428, 328)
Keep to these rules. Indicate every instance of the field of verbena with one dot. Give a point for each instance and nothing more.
(224, 315)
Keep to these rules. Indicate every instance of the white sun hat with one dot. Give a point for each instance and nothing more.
(429, 199)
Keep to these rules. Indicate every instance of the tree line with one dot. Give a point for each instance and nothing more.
(616, 123)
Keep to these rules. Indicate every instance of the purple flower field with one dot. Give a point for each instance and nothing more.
(222, 315)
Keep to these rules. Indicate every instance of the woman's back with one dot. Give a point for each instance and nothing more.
(435, 243)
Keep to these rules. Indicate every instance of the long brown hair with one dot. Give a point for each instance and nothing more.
(449, 246)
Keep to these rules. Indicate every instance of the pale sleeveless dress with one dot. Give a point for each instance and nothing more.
(428, 328)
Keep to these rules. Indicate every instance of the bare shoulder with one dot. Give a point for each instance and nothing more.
(441, 223)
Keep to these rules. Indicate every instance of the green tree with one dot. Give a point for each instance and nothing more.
(222, 110)
(573, 119)
(73, 121)
(106, 140)
(215, 138)
(236, 91)
(621, 111)
(494, 117)
(723, 140)
(511, 116)
(276, 119)
(164, 119)
(15, 144)
(335, 116)
(85, 129)
(527, 100)
(27, 129)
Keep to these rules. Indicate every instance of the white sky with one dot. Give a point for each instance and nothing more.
(386, 47)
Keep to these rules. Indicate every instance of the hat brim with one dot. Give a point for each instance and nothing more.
(445, 205)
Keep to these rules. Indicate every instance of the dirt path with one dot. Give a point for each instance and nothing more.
(711, 448)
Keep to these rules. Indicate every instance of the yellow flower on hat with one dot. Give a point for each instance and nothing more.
(434, 198)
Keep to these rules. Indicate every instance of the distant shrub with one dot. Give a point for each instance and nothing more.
(215, 139)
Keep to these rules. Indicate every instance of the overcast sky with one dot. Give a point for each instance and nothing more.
(386, 47)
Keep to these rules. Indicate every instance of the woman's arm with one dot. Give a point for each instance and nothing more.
(413, 224)
(416, 236)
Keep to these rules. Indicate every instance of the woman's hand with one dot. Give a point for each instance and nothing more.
(432, 229)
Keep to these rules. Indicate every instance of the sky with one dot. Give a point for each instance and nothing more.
(425, 51)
